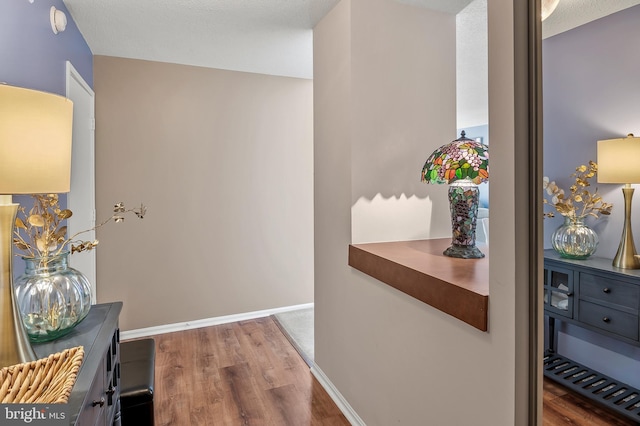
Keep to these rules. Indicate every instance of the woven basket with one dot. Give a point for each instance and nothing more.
(44, 381)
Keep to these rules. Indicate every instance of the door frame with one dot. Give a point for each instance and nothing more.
(74, 77)
(535, 173)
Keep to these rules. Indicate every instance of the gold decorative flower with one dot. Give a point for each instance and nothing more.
(579, 203)
(41, 232)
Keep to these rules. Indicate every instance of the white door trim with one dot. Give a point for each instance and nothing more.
(86, 194)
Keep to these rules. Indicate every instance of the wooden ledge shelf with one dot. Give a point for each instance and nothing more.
(458, 287)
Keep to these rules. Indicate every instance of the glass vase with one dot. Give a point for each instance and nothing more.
(52, 297)
(574, 240)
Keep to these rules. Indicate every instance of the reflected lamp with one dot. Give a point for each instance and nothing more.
(35, 158)
(617, 163)
(463, 164)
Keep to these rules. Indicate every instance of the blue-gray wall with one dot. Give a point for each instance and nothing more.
(32, 56)
(591, 78)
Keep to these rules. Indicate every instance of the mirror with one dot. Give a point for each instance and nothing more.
(589, 94)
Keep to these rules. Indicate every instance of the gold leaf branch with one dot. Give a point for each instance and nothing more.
(119, 211)
(579, 202)
(40, 232)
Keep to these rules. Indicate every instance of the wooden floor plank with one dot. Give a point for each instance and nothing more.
(291, 408)
(248, 373)
(562, 406)
(244, 373)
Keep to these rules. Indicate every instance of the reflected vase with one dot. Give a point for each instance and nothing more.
(52, 297)
(574, 240)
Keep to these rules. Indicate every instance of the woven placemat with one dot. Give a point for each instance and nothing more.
(45, 381)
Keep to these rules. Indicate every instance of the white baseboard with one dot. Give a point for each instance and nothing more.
(337, 397)
(189, 325)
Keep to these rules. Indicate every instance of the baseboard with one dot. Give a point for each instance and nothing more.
(189, 325)
(337, 397)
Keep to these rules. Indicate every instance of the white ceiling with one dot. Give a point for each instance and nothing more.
(261, 36)
(573, 13)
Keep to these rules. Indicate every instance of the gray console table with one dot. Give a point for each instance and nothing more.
(594, 295)
(95, 397)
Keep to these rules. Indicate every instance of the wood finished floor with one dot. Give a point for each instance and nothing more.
(562, 407)
(247, 373)
(243, 373)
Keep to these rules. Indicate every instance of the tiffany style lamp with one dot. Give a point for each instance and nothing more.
(463, 164)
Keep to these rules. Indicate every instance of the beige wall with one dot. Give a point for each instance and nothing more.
(395, 359)
(224, 162)
(403, 107)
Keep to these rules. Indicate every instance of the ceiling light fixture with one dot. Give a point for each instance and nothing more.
(58, 20)
(548, 6)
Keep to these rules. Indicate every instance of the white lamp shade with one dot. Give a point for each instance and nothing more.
(618, 160)
(35, 141)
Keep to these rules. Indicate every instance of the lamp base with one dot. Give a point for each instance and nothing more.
(464, 252)
(463, 205)
(626, 256)
(14, 341)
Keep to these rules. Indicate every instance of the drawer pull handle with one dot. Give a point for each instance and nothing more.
(606, 290)
(100, 403)
(606, 319)
(110, 393)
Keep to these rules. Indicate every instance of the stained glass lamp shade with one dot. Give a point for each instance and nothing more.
(463, 164)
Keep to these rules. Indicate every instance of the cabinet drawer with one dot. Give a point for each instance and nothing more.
(611, 320)
(609, 291)
(92, 412)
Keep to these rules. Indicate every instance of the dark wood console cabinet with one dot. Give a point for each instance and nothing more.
(594, 295)
(95, 397)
